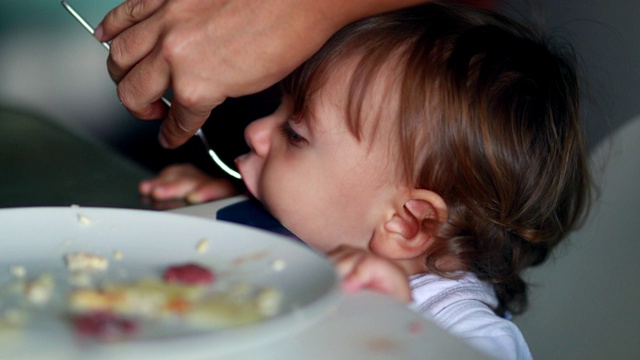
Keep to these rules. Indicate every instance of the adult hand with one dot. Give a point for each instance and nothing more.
(209, 50)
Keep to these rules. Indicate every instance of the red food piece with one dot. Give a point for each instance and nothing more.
(104, 325)
(191, 274)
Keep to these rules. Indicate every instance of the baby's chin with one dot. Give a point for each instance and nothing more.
(309, 238)
(252, 191)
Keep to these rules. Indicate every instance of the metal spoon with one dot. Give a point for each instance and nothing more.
(198, 133)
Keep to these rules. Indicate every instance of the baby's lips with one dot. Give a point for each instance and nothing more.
(245, 168)
(240, 158)
(238, 163)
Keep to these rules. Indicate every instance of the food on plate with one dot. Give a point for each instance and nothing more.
(82, 219)
(109, 307)
(39, 291)
(82, 261)
(188, 274)
(235, 308)
(18, 271)
(202, 246)
(118, 255)
(114, 309)
(104, 325)
(278, 265)
(146, 297)
(13, 319)
(124, 299)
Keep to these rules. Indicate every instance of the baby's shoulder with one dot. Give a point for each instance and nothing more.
(432, 293)
(463, 307)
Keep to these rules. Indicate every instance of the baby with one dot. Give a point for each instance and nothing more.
(434, 153)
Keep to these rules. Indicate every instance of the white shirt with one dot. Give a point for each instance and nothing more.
(463, 307)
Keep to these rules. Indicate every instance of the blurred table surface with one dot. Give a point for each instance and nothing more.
(43, 164)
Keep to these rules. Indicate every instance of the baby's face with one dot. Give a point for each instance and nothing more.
(315, 177)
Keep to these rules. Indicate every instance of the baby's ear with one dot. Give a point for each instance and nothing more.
(404, 235)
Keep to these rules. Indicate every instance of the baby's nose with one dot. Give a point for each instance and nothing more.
(258, 136)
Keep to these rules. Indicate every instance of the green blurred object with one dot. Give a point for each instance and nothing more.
(44, 164)
(16, 14)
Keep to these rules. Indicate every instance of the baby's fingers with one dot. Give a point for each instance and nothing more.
(345, 259)
(379, 275)
(211, 190)
(146, 186)
(174, 182)
(176, 190)
(363, 270)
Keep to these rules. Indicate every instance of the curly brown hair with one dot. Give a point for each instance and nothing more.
(488, 118)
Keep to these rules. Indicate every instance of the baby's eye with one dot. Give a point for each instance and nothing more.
(292, 137)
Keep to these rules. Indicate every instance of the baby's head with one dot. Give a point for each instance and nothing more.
(441, 137)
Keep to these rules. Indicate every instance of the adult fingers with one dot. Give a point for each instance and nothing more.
(181, 123)
(124, 16)
(131, 47)
(143, 86)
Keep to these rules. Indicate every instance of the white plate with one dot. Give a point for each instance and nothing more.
(38, 239)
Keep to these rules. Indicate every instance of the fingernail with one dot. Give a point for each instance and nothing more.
(145, 187)
(98, 32)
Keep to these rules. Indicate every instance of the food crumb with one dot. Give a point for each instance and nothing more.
(278, 265)
(269, 301)
(202, 246)
(18, 271)
(85, 262)
(82, 219)
(189, 273)
(250, 257)
(118, 255)
(39, 291)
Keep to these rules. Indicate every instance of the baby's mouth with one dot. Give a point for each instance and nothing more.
(241, 158)
(248, 177)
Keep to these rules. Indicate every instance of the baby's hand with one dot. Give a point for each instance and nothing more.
(185, 181)
(363, 270)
